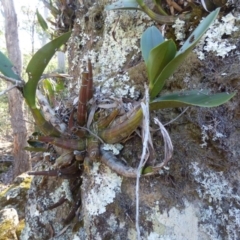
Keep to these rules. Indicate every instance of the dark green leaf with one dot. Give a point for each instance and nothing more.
(7, 68)
(159, 57)
(182, 53)
(35, 144)
(149, 40)
(37, 65)
(190, 98)
(41, 21)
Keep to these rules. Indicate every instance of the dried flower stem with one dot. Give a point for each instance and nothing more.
(145, 153)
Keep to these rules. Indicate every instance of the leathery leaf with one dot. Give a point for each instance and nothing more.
(37, 65)
(151, 38)
(190, 98)
(182, 53)
(7, 68)
(159, 57)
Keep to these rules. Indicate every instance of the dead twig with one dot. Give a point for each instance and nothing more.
(173, 120)
(8, 89)
(145, 153)
(17, 83)
(168, 147)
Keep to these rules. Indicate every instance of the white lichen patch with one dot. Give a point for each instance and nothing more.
(33, 211)
(174, 224)
(115, 148)
(105, 186)
(213, 41)
(119, 46)
(25, 232)
(112, 222)
(210, 131)
(221, 216)
(109, 61)
(179, 29)
(62, 191)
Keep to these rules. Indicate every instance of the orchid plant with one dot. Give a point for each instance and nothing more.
(87, 137)
(161, 58)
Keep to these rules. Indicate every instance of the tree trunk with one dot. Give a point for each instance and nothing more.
(21, 157)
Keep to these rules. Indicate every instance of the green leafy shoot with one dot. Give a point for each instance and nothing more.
(183, 52)
(151, 38)
(162, 59)
(159, 57)
(165, 54)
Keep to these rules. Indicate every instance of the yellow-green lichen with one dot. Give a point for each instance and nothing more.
(20, 227)
(7, 230)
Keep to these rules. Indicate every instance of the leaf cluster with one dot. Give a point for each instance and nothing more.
(162, 59)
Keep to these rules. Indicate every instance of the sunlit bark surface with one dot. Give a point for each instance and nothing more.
(21, 157)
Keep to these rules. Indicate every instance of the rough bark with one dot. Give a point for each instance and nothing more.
(15, 99)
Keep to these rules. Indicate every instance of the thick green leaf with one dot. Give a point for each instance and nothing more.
(123, 4)
(159, 57)
(149, 40)
(41, 21)
(37, 65)
(182, 53)
(7, 68)
(198, 32)
(190, 98)
(35, 144)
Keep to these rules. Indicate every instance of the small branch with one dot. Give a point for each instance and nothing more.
(17, 83)
(7, 90)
